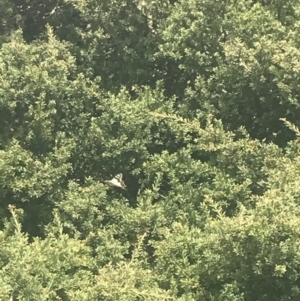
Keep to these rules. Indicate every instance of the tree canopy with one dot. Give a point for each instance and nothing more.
(194, 104)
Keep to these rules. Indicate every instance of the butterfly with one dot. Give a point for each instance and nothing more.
(117, 181)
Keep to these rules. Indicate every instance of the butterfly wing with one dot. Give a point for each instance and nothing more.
(119, 177)
(118, 181)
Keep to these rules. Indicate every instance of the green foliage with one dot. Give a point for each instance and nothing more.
(195, 103)
(241, 70)
(9, 19)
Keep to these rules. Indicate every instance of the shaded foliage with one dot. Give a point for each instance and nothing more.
(195, 103)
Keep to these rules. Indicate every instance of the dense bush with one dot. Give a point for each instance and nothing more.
(195, 103)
